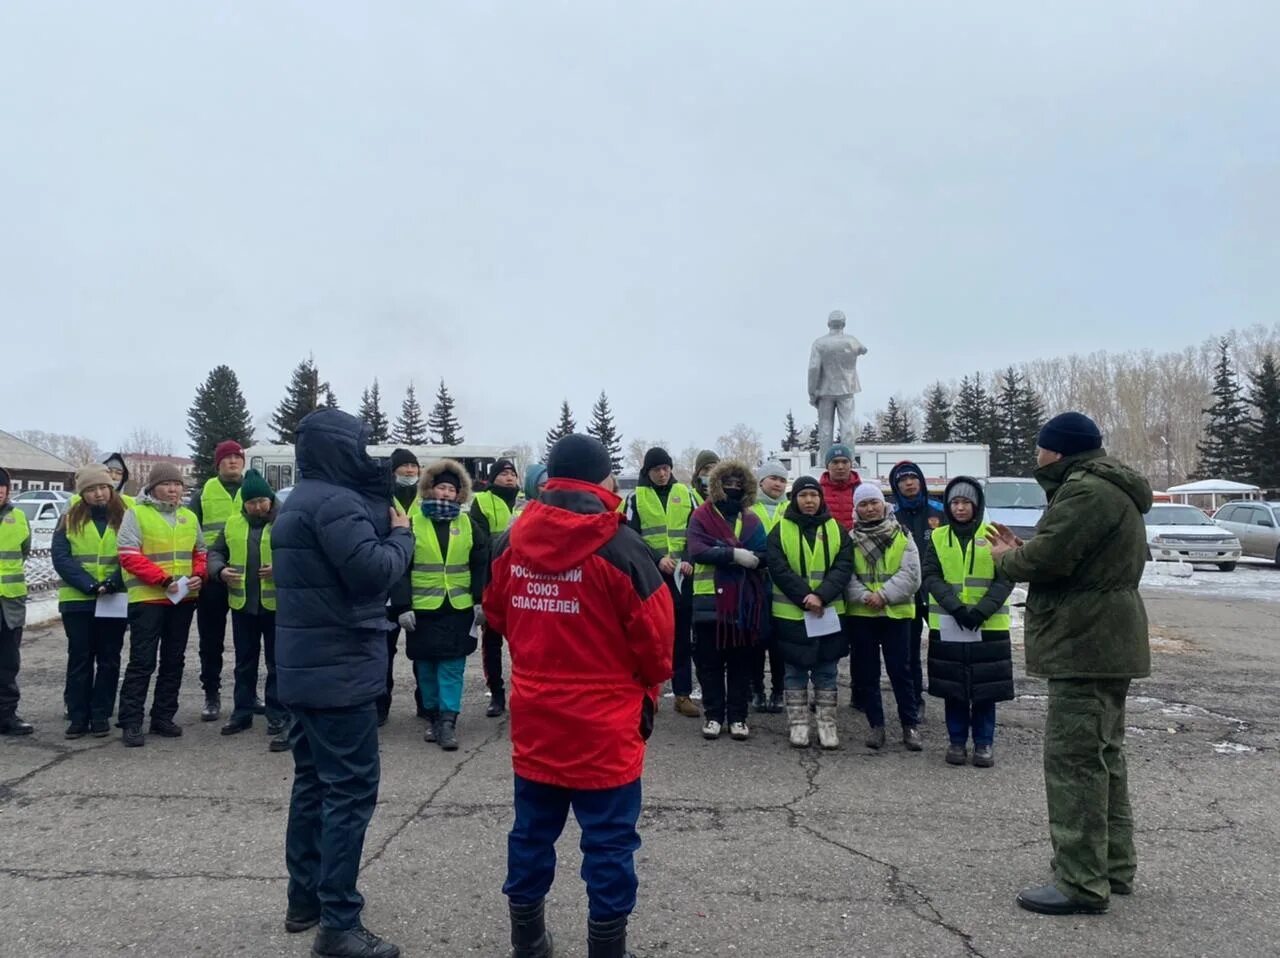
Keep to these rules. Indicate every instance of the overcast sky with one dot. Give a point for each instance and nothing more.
(541, 200)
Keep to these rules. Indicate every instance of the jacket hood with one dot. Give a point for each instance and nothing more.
(124, 467)
(429, 474)
(732, 467)
(571, 521)
(331, 448)
(979, 507)
(1098, 463)
(908, 468)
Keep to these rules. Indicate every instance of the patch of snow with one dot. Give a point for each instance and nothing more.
(1231, 748)
(42, 609)
(1249, 580)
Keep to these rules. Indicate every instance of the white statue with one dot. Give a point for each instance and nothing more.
(833, 382)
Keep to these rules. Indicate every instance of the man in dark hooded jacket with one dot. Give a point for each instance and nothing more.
(337, 548)
(1086, 632)
(919, 515)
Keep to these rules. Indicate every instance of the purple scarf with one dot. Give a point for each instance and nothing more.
(740, 596)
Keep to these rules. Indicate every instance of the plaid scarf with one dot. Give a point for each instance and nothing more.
(873, 539)
(440, 509)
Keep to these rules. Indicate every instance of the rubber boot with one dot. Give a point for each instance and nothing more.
(529, 935)
(797, 701)
(607, 939)
(448, 736)
(828, 736)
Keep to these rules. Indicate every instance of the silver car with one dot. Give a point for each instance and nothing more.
(1256, 525)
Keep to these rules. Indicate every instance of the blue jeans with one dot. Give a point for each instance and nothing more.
(335, 787)
(978, 716)
(871, 637)
(823, 676)
(607, 818)
(440, 683)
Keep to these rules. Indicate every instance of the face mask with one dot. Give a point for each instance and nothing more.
(404, 482)
(734, 495)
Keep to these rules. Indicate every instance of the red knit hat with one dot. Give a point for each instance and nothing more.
(228, 447)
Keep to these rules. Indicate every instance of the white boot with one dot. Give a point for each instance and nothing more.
(797, 702)
(828, 736)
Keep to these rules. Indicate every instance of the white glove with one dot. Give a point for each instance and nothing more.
(746, 558)
(479, 610)
(408, 621)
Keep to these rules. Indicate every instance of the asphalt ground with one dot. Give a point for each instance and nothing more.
(750, 849)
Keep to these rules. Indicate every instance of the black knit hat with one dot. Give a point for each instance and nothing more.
(499, 467)
(803, 483)
(4, 479)
(403, 457)
(447, 478)
(1069, 434)
(655, 457)
(579, 457)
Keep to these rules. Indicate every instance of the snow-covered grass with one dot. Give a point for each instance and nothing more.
(1251, 579)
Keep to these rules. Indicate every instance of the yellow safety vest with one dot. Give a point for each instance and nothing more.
(875, 578)
(216, 507)
(14, 533)
(704, 574)
(971, 578)
(168, 546)
(435, 577)
(96, 554)
(667, 529)
(236, 534)
(805, 560)
(763, 514)
(496, 512)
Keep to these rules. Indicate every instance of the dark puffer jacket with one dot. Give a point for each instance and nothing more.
(968, 671)
(335, 558)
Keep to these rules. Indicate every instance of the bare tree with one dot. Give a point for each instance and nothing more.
(636, 449)
(742, 443)
(76, 450)
(148, 443)
(684, 463)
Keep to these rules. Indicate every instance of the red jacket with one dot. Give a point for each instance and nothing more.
(588, 624)
(839, 498)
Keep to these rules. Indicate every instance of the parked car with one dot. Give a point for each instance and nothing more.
(1184, 533)
(42, 516)
(43, 495)
(283, 494)
(1255, 524)
(1016, 503)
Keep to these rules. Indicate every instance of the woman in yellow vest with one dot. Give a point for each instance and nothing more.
(163, 556)
(881, 605)
(495, 509)
(86, 558)
(971, 656)
(771, 505)
(810, 563)
(450, 568)
(15, 546)
(241, 560)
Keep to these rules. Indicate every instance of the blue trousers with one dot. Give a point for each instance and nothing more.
(440, 683)
(824, 676)
(978, 716)
(609, 842)
(335, 787)
(871, 637)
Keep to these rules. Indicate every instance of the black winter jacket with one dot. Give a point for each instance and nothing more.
(794, 642)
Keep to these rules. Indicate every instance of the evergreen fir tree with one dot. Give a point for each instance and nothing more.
(410, 428)
(602, 428)
(567, 426)
(868, 435)
(371, 412)
(971, 418)
(330, 400)
(791, 439)
(219, 412)
(1016, 418)
(811, 442)
(1264, 439)
(443, 423)
(1224, 449)
(937, 415)
(895, 424)
(303, 397)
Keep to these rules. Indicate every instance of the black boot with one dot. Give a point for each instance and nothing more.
(212, 710)
(529, 935)
(355, 942)
(607, 939)
(497, 703)
(14, 725)
(448, 734)
(432, 733)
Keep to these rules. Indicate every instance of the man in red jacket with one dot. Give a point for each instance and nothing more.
(588, 625)
(838, 484)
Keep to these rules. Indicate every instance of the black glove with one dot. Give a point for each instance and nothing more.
(969, 619)
(108, 587)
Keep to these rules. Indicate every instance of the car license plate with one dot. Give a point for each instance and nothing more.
(1204, 555)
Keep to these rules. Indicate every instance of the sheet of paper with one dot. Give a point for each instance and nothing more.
(818, 624)
(112, 606)
(183, 589)
(949, 630)
(475, 630)
(678, 578)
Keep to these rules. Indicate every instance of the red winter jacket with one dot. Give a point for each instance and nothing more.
(588, 624)
(839, 498)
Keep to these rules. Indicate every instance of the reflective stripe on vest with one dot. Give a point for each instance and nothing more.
(969, 574)
(704, 574)
(811, 562)
(435, 577)
(875, 578)
(168, 546)
(766, 520)
(496, 512)
(236, 534)
(216, 507)
(667, 529)
(96, 554)
(14, 532)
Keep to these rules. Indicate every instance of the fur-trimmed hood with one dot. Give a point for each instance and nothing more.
(429, 474)
(732, 467)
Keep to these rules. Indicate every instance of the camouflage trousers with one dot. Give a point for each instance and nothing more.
(1087, 785)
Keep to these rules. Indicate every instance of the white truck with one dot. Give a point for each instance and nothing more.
(939, 461)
